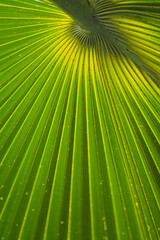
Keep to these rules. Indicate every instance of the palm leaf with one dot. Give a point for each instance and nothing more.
(80, 155)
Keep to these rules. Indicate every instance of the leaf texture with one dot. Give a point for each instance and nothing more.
(80, 133)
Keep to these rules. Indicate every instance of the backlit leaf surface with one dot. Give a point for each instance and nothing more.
(80, 153)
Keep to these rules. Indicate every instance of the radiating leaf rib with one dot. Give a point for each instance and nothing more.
(75, 207)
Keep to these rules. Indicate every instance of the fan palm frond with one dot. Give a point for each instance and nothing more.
(80, 122)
